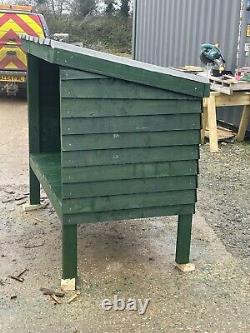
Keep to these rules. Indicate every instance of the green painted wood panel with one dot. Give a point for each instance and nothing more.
(184, 231)
(45, 166)
(127, 156)
(113, 88)
(71, 74)
(129, 201)
(156, 123)
(130, 186)
(51, 182)
(33, 104)
(118, 67)
(128, 214)
(52, 161)
(34, 122)
(48, 170)
(129, 171)
(49, 105)
(77, 108)
(69, 251)
(130, 140)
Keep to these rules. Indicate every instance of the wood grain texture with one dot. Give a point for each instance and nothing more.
(129, 171)
(245, 119)
(212, 125)
(115, 89)
(128, 214)
(92, 107)
(136, 124)
(129, 140)
(129, 156)
(128, 186)
(130, 201)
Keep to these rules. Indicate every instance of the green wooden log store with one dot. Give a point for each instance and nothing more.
(111, 139)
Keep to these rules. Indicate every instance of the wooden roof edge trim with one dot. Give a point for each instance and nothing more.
(133, 71)
(127, 61)
(128, 72)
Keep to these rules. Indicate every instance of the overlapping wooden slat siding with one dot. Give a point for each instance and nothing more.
(128, 151)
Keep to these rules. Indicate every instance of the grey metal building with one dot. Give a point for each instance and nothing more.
(170, 33)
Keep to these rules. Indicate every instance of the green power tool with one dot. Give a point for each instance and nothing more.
(211, 55)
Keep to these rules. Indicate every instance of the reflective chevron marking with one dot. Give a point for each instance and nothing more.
(9, 63)
(12, 24)
(34, 22)
(10, 35)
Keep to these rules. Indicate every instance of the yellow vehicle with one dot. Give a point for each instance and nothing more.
(16, 20)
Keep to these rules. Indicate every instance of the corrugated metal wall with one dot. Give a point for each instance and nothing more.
(170, 33)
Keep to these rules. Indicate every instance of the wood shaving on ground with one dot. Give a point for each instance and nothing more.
(20, 197)
(39, 220)
(49, 292)
(16, 278)
(7, 200)
(21, 202)
(9, 191)
(19, 277)
(73, 298)
(56, 301)
(24, 271)
(31, 246)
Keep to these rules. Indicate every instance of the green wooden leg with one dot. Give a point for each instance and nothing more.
(183, 239)
(69, 255)
(34, 189)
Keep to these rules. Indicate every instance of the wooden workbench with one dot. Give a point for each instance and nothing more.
(218, 99)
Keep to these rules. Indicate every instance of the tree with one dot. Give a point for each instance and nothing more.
(124, 10)
(56, 8)
(84, 8)
(110, 7)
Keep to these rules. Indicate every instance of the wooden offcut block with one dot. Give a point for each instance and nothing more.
(27, 207)
(185, 268)
(68, 284)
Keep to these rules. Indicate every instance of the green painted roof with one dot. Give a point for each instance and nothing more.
(79, 58)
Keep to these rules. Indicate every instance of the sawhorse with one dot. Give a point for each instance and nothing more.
(209, 120)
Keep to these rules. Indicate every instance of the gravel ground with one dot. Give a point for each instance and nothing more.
(128, 258)
(224, 195)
